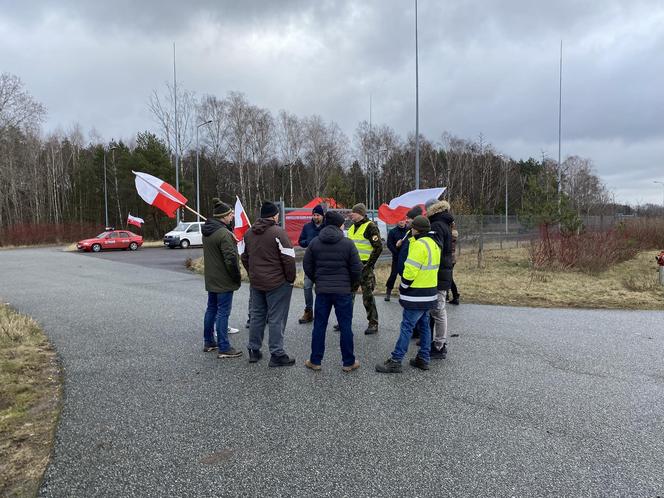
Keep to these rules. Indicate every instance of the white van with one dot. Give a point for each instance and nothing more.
(184, 235)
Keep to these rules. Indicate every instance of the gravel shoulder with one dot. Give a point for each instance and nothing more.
(530, 402)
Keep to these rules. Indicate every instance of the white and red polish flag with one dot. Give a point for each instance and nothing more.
(158, 193)
(398, 207)
(134, 220)
(241, 224)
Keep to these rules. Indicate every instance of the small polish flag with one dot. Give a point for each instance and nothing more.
(241, 224)
(399, 206)
(158, 193)
(134, 220)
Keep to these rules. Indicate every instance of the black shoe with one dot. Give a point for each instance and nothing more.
(231, 353)
(371, 329)
(439, 354)
(455, 300)
(390, 366)
(209, 347)
(254, 355)
(416, 334)
(281, 361)
(336, 328)
(388, 295)
(418, 362)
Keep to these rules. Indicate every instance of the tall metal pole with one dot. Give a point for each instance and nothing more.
(177, 164)
(560, 121)
(417, 110)
(506, 220)
(198, 187)
(105, 192)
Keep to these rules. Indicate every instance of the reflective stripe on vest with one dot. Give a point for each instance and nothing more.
(426, 241)
(363, 246)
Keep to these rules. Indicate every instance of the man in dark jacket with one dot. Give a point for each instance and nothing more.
(395, 239)
(222, 278)
(435, 210)
(309, 232)
(269, 258)
(333, 264)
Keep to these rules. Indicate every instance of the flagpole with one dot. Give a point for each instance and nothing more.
(195, 212)
(175, 102)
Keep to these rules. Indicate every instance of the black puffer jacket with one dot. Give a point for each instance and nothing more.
(444, 238)
(332, 262)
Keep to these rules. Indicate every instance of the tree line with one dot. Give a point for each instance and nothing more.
(246, 150)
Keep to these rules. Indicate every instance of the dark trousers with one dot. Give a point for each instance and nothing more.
(343, 308)
(394, 272)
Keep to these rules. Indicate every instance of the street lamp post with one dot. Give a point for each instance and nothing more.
(198, 188)
(662, 184)
(417, 109)
(105, 193)
(505, 164)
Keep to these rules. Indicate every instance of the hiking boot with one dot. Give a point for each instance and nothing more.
(418, 362)
(371, 329)
(352, 367)
(439, 354)
(209, 347)
(388, 294)
(282, 360)
(254, 355)
(390, 366)
(307, 317)
(231, 353)
(232, 330)
(312, 366)
(455, 301)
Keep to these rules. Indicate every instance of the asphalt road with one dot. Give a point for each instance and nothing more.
(530, 402)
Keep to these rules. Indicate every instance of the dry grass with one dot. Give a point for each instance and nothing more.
(507, 279)
(30, 392)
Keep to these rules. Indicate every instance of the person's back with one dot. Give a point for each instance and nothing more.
(268, 256)
(333, 262)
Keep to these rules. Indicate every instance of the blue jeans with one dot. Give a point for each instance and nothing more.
(411, 319)
(308, 293)
(217, 313)
(343, 308)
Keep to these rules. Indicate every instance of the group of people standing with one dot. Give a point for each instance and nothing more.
(335, 265)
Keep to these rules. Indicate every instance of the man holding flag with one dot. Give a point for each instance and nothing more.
(222, 278)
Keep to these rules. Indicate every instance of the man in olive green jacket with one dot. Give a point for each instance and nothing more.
(222, 278)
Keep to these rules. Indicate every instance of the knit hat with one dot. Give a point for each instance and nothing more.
(360, 208)
(334, 218)
(269, 209)
(421, 223)
(221, 209)
(413, 212)
(318, 210)
(429, 203)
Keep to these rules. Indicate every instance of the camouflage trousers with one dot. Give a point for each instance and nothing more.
(368, 284)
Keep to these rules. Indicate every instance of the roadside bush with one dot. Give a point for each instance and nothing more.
(595, 252)
(46, 233)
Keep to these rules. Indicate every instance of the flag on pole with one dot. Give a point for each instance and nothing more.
(398, 207)
(134, 220)
(158, 193)
(241, 224)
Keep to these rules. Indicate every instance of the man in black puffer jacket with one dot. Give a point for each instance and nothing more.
(333, 264)
(435, 210)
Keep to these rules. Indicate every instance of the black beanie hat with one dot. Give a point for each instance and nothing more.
(269, 209)
(334, 218)
(221, 209)
(421, 223)
(414, 212)
(318, 210)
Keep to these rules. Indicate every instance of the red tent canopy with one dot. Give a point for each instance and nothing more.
(295, 220)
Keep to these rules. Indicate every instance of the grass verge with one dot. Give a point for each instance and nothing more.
(30, 393)
(507, 278)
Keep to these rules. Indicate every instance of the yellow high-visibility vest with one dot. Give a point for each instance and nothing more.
(363, 246)
(421, 267)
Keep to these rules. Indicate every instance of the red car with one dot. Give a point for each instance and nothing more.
(112, 239)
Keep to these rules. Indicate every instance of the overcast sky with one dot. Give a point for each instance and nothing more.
(487, 67)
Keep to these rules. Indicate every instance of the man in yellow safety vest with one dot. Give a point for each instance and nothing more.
(418, 293)
(365, 235)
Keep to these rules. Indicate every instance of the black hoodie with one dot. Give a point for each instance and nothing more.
(332, 262)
